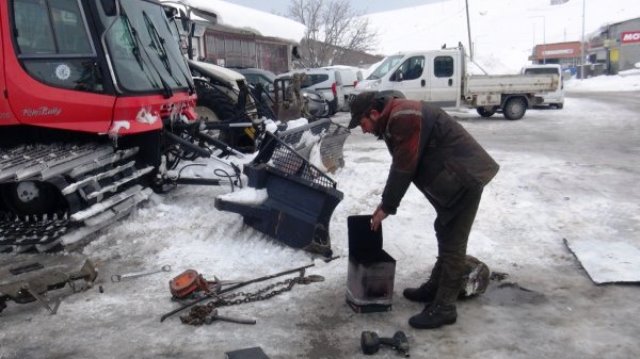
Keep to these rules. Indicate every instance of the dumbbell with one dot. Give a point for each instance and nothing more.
(370, 342)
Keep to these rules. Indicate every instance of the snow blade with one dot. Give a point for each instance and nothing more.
(300, 202)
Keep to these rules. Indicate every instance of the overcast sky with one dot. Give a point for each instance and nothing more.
(365, 6)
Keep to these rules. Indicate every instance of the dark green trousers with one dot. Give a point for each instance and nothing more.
(452, 226)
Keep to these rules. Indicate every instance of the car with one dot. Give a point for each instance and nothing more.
(257, 76)
(553, 98)
(262, 86)
(326, 81)
(349, 78)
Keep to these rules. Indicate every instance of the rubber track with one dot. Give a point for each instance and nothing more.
(93, 178)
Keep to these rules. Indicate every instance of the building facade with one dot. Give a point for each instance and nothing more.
(612, 48)
(566, 54)
(230, 47)
(615, 47)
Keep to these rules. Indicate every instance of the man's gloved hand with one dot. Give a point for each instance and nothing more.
(378, 216)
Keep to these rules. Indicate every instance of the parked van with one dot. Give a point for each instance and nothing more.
(326, 81)
(552, 98)
(349, 78)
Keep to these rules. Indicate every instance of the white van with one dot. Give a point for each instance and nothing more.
(551, 98)
(349, 78)
(328, 82)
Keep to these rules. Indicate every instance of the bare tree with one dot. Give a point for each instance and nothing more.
(333, 29)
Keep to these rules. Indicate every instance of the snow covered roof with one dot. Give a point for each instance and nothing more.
(260, 22)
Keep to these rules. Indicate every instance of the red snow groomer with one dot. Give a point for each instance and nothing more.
(88, 88)
(97, 103)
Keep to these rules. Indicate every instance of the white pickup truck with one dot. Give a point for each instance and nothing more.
(440, 77)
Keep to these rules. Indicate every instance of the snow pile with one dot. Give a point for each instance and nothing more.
(632, 72)
(605, 83)
(249, 196)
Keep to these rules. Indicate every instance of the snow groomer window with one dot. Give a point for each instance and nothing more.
(443, 66)
(54, 45)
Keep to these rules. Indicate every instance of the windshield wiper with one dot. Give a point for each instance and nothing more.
(158, 42)
(135, 50)
(167, 92)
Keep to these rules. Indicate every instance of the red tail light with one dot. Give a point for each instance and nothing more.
(355, 83)
(334, 89)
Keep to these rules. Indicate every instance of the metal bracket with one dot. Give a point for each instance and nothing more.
(42, 299)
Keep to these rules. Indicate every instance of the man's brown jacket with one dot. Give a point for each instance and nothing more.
(431, 150)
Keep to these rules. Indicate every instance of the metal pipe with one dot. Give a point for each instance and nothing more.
(218, 144)
(199, 181)
(469, 31)
(188, 145)
(582, 44)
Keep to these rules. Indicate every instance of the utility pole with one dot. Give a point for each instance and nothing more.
(544, 35)
(544, 39)
(582, 45)
(469, 31)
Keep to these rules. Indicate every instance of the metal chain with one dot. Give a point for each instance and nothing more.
(198, 313)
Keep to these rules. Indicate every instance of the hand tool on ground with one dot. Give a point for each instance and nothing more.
(213, 316)
(370, 343)
(217, 294)
(119, 277)
(186, 284)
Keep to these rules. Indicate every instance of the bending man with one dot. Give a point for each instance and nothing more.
(449, 167)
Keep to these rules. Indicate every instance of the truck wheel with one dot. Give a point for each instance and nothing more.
(486, 111)
(216, 106)
(514, 108)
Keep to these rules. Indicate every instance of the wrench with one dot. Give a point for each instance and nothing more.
(118, 277)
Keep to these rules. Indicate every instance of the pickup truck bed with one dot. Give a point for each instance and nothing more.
(508, 84)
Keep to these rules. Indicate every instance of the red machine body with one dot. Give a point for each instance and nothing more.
(89, 91)
(28, 100)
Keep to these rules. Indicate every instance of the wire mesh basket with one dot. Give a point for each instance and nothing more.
(286, 161)
(330, 135)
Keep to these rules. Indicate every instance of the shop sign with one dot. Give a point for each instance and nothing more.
(630, 36)
(557, 52)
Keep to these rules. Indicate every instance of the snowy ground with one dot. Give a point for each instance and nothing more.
(568, 173)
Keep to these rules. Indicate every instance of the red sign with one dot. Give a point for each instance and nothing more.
(630, 36)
